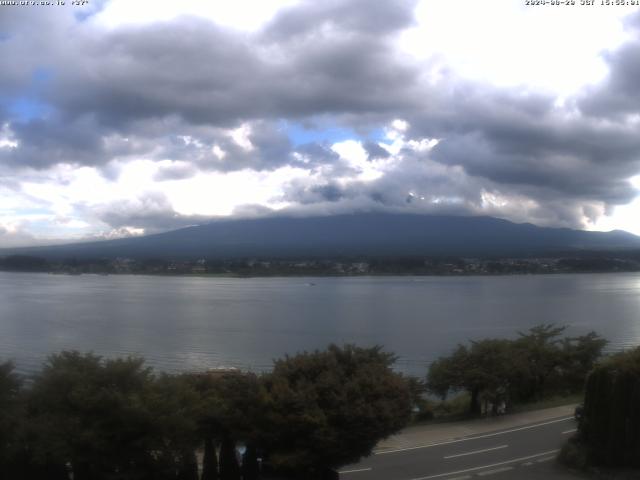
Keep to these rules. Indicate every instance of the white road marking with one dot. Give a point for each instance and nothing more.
(569, 431)
(476, 451)
(355, 471)
(546, 459)
(506, 462)
(497, 470)
(526, 464)
(465, 477)
(487, 435)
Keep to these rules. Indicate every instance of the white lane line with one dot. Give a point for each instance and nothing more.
(487, 435)
(476, 451)
(506, 462)
(569, 431)
(497, 470)
(545, 459)
(465, 477)
(355, 471)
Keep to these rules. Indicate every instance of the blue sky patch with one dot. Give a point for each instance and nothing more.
(300, 135)
(24, 109)
(41, 75)
(27, 106)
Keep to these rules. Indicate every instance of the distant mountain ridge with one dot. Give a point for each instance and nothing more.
(361, 234)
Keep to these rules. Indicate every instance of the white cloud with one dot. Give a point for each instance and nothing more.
(72, 196)
(505, 43)
(213, 193)
(623, 217)
(6, 137)
(241, 135)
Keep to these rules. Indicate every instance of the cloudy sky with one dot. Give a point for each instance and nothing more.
(124, 117)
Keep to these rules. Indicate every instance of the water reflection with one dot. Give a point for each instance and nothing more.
(194, 323)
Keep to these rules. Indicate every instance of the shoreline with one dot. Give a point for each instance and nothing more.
(323, 275)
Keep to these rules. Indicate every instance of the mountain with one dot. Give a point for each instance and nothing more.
(363, 234)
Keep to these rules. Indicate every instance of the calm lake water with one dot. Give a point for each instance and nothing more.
(183, 323)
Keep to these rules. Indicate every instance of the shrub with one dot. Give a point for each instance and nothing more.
(610, 424)
(574, 454)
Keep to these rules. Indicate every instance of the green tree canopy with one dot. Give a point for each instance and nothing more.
(329, 408)
(539, 362)
(484, 370)
(230, 410)
(110, 418)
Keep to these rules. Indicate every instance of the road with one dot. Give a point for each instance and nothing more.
(518, 452)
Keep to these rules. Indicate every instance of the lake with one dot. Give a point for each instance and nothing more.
(191, 323)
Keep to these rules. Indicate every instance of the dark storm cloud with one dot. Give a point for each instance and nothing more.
(23, 51)
(563, 171)
(44, 143)
(435, 188)
(213, 149)
(346, 75)
(310, 194)
(268, 148)
(210, 75)
(525, 141)
(315, 155)
(187, 67)
(375, 151)
(329, 192)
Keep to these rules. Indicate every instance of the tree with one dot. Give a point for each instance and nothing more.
(610, 424)
(229, 467)
(209, 460)
(188, 469)
(580, 355)
(111, 418)
(446, 374)
(230, 407)
(539, 359)
(10, 419)
(329, 408)
(173, 403)
(489, 374)
(536, 364)
(250, 468)
(484, 370)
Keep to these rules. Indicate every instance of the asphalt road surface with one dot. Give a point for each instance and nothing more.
(517, 452)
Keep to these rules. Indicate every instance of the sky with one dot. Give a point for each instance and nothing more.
(129, 117)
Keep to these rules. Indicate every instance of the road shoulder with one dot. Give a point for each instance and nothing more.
(419, 435)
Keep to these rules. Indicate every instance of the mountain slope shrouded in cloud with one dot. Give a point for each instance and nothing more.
(366, 234)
